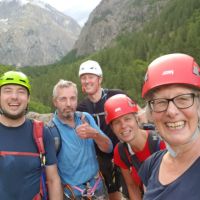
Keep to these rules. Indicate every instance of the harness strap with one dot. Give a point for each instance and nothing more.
(95, 185)
(71, 191)
(86, 192)
(14, 153)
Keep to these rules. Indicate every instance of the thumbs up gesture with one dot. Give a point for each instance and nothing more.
(84, 130)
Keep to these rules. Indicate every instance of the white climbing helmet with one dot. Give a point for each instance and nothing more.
(90, 67)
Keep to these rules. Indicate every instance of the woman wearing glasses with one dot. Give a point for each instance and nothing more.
(172, 88)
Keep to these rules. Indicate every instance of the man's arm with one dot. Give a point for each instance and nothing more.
(54, 186)
(102, 141)
(133, 189)
(85, 131)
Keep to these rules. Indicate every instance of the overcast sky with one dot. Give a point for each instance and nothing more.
(77, 9)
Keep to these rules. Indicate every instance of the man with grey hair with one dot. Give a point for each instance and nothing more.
(77, 162)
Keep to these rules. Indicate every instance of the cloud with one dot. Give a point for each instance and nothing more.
(77, 9)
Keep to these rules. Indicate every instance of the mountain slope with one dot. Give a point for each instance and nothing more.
(34, 33)
(113, 17)
(175, 29)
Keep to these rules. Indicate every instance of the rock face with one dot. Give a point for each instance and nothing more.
(34, 33)
(113, 17)
(41, 117)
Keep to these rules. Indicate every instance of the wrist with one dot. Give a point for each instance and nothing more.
(95, 135)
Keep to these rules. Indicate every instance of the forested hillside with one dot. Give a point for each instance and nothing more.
(176, 29)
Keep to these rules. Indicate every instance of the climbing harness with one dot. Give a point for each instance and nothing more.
(88, 192)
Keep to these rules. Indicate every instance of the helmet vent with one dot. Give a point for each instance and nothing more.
(196, 70)
(9, 79)
(23, 81)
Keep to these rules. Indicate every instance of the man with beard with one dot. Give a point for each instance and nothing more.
(77, 162)
(20, 163)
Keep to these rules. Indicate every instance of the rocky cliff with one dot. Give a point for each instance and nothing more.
(113, 17)
(34, 33)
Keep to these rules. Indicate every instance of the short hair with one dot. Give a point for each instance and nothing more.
(64, 84)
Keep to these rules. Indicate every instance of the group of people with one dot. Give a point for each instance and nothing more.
(104, 148)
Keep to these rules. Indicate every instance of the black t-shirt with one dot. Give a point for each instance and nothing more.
(97, 111)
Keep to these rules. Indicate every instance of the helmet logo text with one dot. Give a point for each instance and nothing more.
(168, 72)
(118, 109)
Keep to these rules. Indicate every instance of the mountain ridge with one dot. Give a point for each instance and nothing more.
(32, 35)
(113, 17)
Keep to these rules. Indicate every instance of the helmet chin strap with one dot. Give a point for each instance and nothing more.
(194, 136)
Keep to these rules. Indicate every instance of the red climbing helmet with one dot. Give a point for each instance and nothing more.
(174, 68)
(117, 106)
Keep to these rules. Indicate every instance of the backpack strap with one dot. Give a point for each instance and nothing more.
(125, 154)
(153, 142)
(38, 137)
(56, 135)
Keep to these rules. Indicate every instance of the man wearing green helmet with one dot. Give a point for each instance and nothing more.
(20, 166)
(15, 80)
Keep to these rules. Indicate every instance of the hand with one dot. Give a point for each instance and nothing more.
(84, 130)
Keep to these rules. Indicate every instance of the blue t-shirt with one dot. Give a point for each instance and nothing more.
(184, 187)
(20, 175)
(77, 162)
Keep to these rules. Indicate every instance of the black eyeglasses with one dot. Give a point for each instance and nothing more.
(181, 101)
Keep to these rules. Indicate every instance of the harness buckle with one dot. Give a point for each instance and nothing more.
(87, 192)
(42, 159)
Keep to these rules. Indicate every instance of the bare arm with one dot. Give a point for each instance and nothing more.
(85, 131)
(55, 190)
(102, 142)
(133, 189)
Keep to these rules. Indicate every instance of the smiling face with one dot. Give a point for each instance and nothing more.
(14, 101)
(125, 127)
(176, 126)
(90, 83)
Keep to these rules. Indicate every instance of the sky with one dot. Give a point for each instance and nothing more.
(77, 9)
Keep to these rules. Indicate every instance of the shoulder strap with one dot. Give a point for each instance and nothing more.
(80, 114)
(122, 147)
(124, 153)
(38, 135)
(105, 94)
(56, 135)
(153, 142)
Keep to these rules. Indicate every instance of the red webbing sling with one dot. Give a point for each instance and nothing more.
(38, 137)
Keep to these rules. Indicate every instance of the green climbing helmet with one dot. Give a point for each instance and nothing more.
(14, 77)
